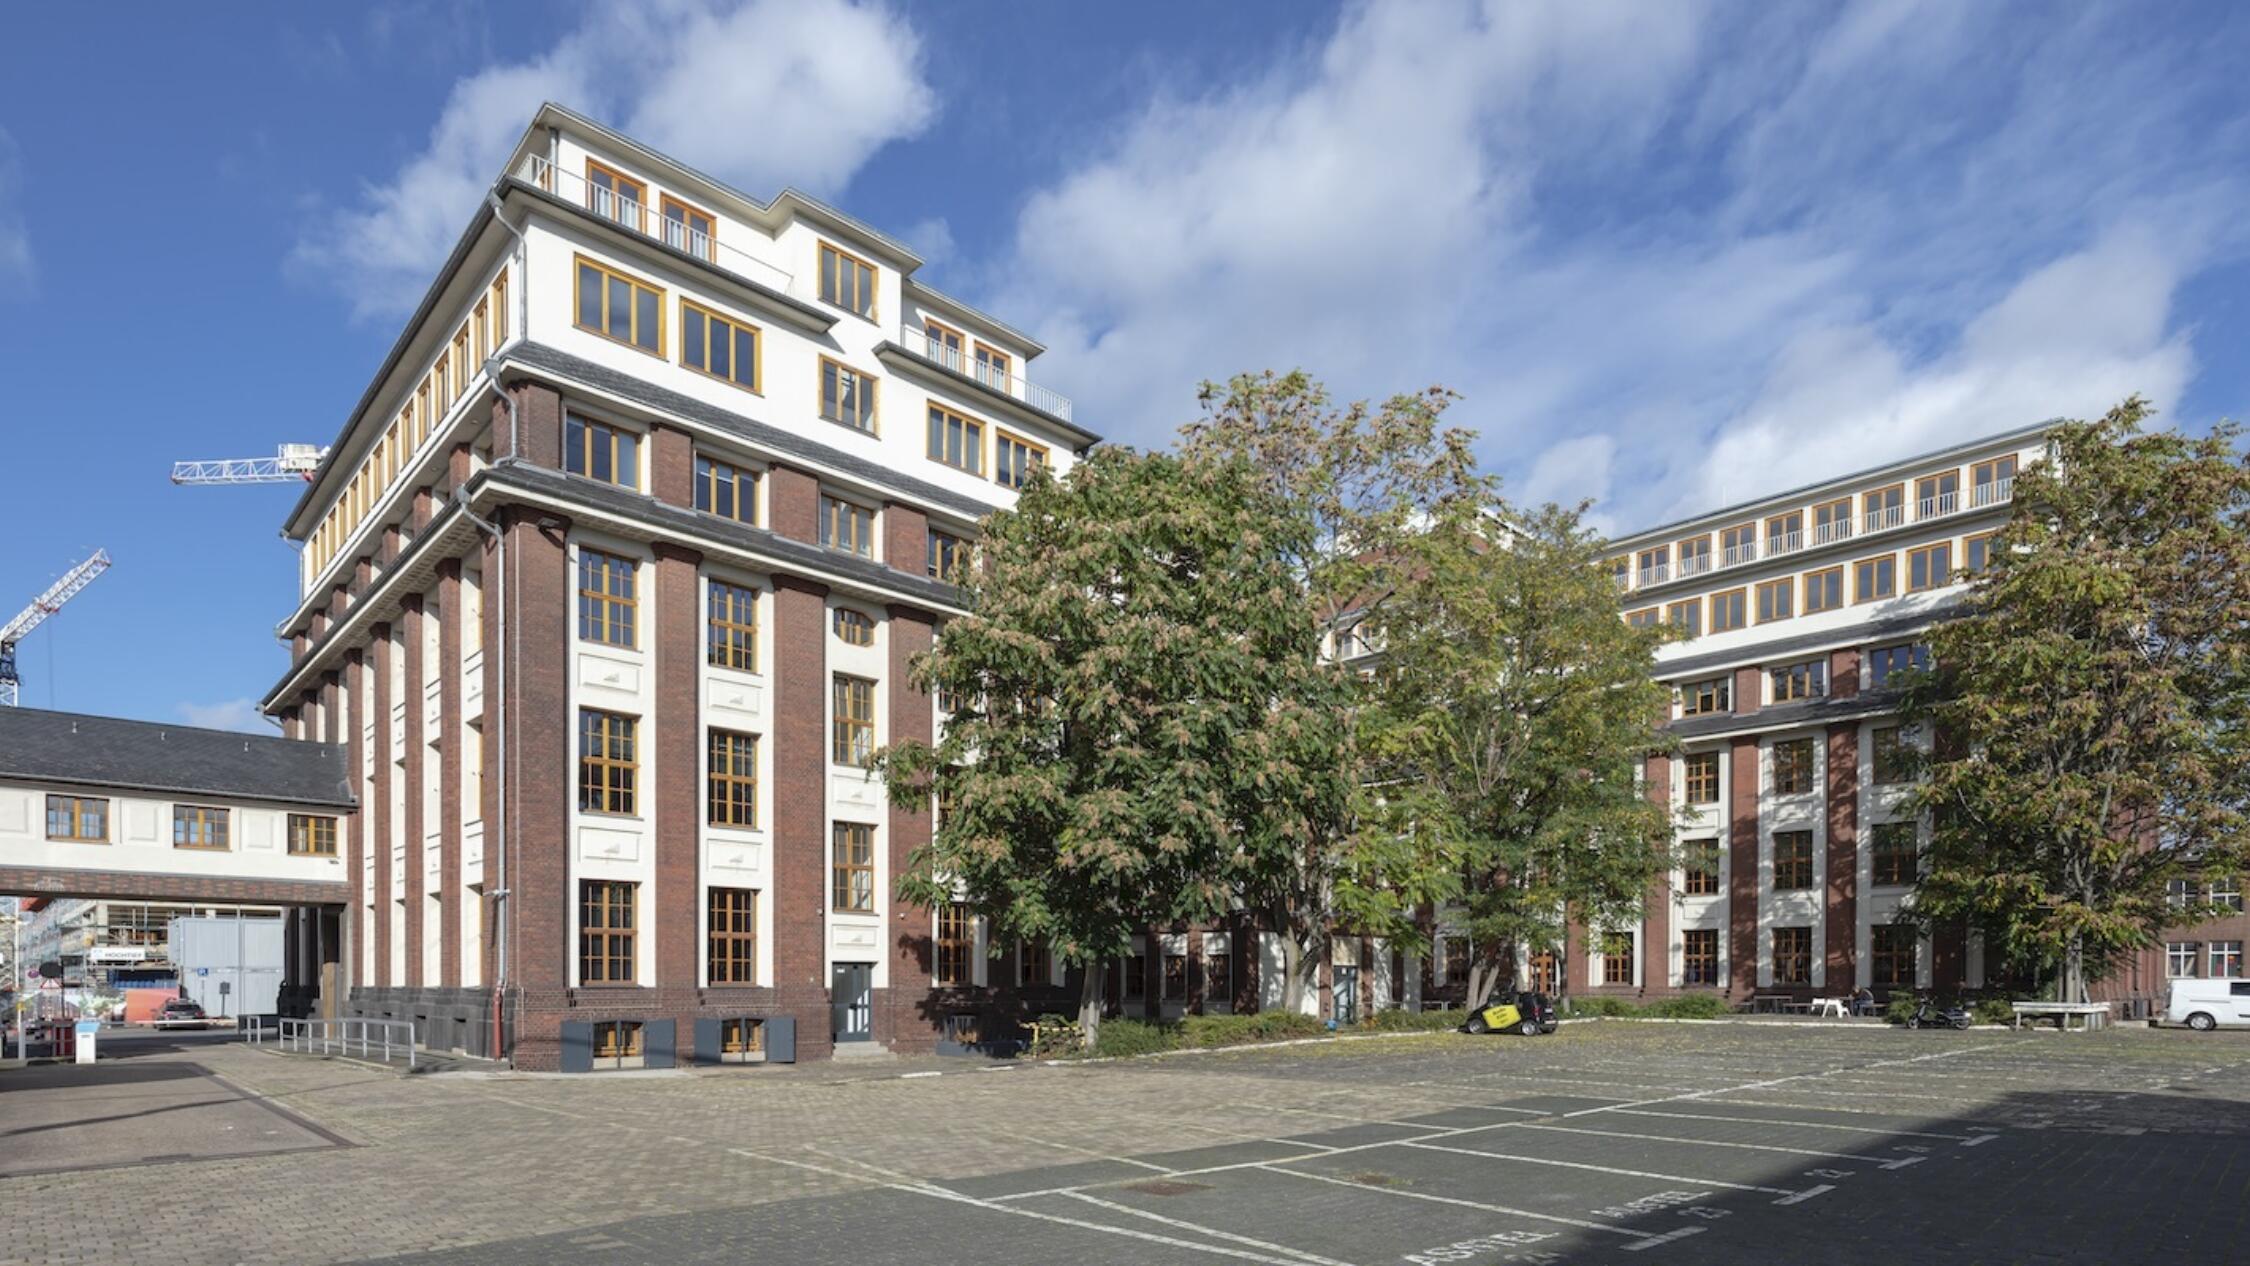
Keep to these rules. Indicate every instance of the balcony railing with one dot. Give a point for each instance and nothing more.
(1886, 517)
(1735, 555)
(1656, 575)
(1833, 530)
(1932, 507)
(1694, 564)
(1784, 543)
(930, 348)
(630, 215)
(1994, 492)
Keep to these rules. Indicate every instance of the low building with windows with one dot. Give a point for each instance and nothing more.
(609, 588)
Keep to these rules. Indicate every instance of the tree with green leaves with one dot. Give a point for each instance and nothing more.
(2090, 701)
(1364, 479)
(1133, 704)
(1509, 715)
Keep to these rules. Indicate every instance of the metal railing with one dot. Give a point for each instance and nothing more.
(1885, 517)
(1694, 564)
(1656, 575)
(1994, 492)
(931, 348)
(1785, 543)
(633, 217)
(1943, 503)
(1833, 530)
(368, 1039)
(1734, 555)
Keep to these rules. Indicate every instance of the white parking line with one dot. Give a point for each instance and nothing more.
(1751, 1147)
(1666, 1238)
(1817, 1125)
(1213, 1232)
(1072, 1147)
(1601, 1169)
(1469, 1204)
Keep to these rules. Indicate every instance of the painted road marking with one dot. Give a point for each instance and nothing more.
(1666, 1238)
(1213, 1232)
(1463, 1250)
(1082, 1151)
(1603, 1169)
(1817, 1125)
(1580, 1223)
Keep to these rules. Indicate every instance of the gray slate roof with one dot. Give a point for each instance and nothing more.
(1819, 711)
(76, 749)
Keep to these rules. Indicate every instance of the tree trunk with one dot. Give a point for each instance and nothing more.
(1484, 977)
(1090, 1005)
(2074, 971)
(1301, 969)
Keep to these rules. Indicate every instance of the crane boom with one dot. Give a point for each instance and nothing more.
(36, 614)
(291, 463)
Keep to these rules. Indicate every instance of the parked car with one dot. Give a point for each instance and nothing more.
(1528, 1014)
(182, 1013)
(2204, 1005)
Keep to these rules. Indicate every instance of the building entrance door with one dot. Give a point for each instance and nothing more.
(851, 1001)
(1344, 985)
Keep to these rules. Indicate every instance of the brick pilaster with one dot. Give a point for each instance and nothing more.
(793, 503)
(448, 773)
(1749, 689)
(541, 779)
(1656, 923)
(1842, 914)
(914, 1026)
(1742, 866)
(411, 742)
(906, 539)
(378, 813)
(800, 827)
(675, 751)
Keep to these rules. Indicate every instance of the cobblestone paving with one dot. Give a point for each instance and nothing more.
(1607, 1142)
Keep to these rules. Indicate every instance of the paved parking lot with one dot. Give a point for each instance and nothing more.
(1611, 1142)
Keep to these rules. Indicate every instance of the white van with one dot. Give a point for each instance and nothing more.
(2204, 1005)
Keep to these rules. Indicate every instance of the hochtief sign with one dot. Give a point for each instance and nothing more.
(117, 954)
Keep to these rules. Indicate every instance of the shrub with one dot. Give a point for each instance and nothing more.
(1135, 1037)
(1693, 1006)
(1902, 1006)
(1055, 1036)
(1232, 1030)
(1401, 1021)
(1994, 1011)
(1602, 1006)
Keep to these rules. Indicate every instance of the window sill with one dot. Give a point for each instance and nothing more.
(872, 431)
(204, 848)
(330, 855)
(76, 839)
(608, 337)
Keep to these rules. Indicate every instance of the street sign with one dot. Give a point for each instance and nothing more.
(117, 954)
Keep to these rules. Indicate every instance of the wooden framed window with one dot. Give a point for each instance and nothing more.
(1785, 533)
(1034, 963)
(1687, 615)
(1976, 552)
(620, 306)
(854, 700)
(1645, 618)
(1929, 566)
(1895, 856)
(847, 281)
(724, 490)
(690, 229)
(1886, 661)
(1175, 978)
(742, 1038)
(1218, 977)
(1730, 610)
(200, 826)
(1777, 599)
(500, 309)
(1459, 958)
(948, 554)
(84, 819)
(956, 945)
(481, 319)
(2181, 957)
(847, 527)
(731, 944)
(1617, 958)
(1793, 767)
(721, 346)
(613, 195)
(1792, 860)
(1992, 482)
(1695, 556)
(1884, 507)
(852, 868)
(1699, 956)
(1937, 494)
(607, 608)
(1014, 460)
(993, 367)
(1620, 573)
(944, 345)
(1655, 565)
(1806, 680)
(1699, 868)
(847, 396)
(1891, 757)
(1738, 544)
(1135, 971)
(312, 835)
(608, 762)
(1792, 956)
(462, 369)
(1715, 694)
(1874, 578)
(1832, 521)
(1701, 775)
(733, 625)
(601, 452)
(617, 1044)
(956, 441)
(731, 779)
(854, 628)
(607, 926)
(1824, 590)
(2226, 962)
(1892, 956)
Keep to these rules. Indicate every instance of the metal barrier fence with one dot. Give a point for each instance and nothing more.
(369, 1039)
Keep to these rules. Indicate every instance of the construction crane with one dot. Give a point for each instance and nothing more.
(36, 614)
(290, 463)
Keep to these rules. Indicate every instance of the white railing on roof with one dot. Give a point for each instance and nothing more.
(1994, 492)
(1655, 574)
(628, 214)
(1833, 530)
(1885, 517)
(931, 348)
(1932, 507)
(1694, 564)
(1735, 555)
(1784, 543)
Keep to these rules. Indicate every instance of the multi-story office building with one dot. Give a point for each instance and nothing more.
(610, 584)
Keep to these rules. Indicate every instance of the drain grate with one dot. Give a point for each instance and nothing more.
(1165, 1187)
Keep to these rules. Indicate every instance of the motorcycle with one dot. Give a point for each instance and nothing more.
(1928, 1015)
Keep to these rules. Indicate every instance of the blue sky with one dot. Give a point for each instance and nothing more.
(1671, 253)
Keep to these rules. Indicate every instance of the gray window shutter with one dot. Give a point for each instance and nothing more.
(706, 1040)
(781, 1039)
(578, 1046)
(660, 1043)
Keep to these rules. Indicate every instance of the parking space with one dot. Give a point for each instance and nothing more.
(64, 1118)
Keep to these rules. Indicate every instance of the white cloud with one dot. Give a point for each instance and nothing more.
(761, 94)
(16, 270)
(932, 239)
(227, 714)
(1657, 247)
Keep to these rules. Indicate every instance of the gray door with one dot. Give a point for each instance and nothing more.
(851, 1001)
(1345, 986)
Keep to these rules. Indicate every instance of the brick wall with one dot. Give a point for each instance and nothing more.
(411, 632)
(1842, 904)
(913, 1024)
(906, 539)
(541, 780)
(793, 503)
(800, 827)
(448, 773)
(1742, 866)
(675, 750)
(378, 810)
(1656, 931)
